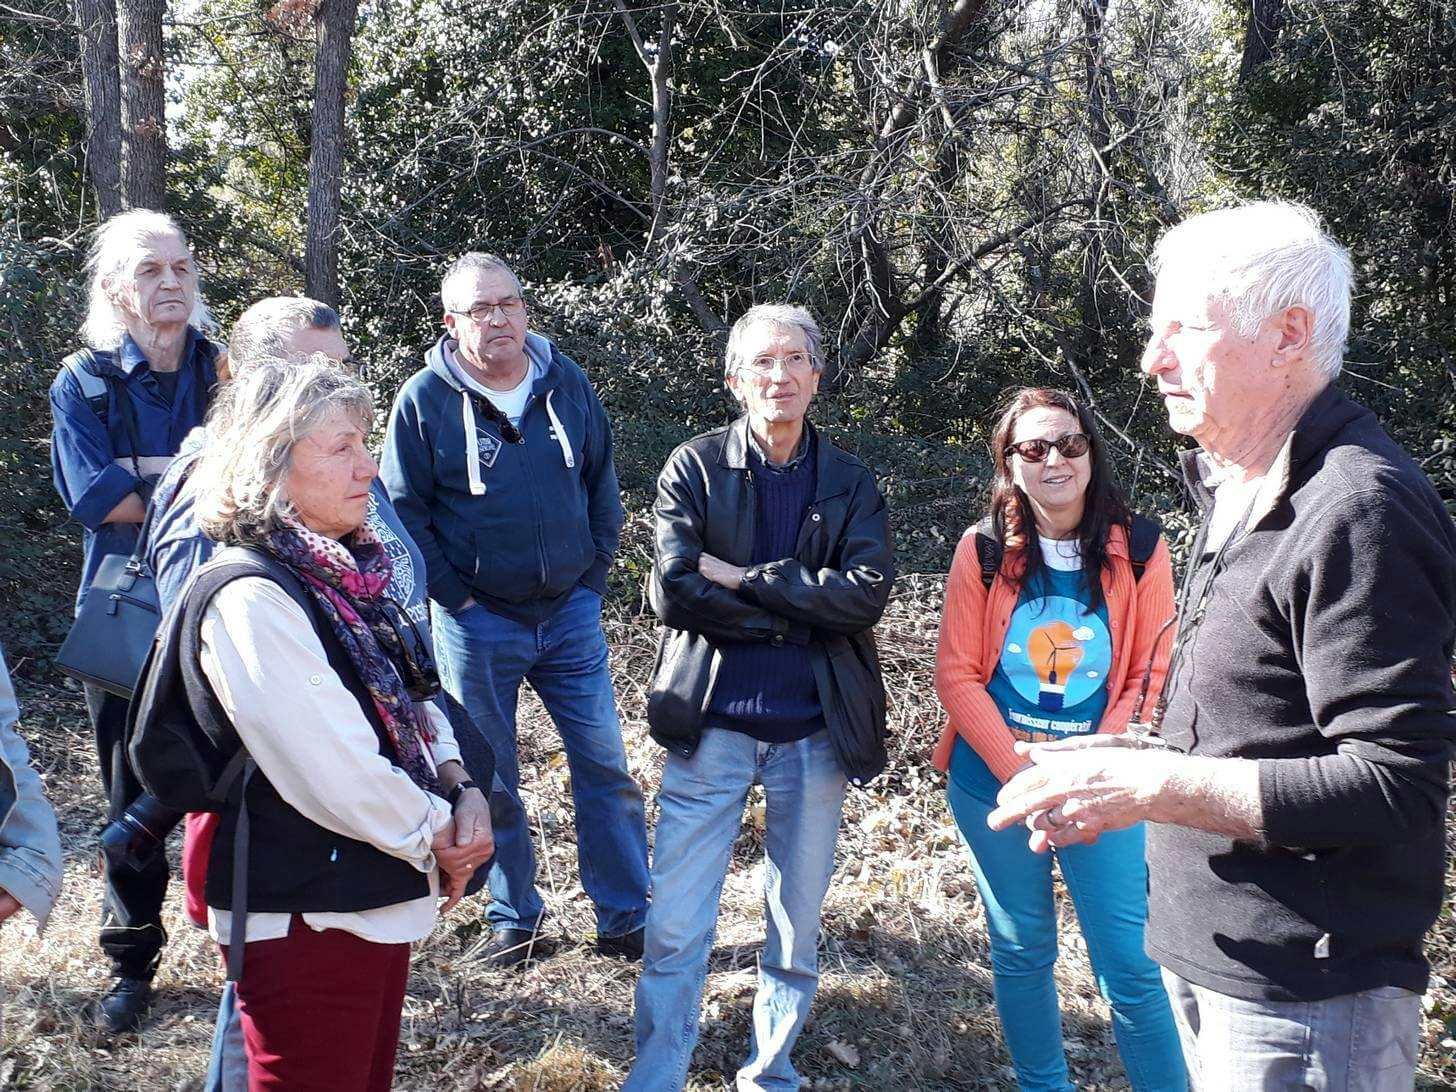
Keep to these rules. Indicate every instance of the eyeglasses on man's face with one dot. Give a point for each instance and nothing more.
(793, 362)
(510, 307)
(1070, 445)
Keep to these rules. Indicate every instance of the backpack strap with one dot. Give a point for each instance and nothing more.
(988, 551)
(1142, 540)
(231, 564)
(95, 386)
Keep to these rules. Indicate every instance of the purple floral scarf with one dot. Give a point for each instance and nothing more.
(348, 580)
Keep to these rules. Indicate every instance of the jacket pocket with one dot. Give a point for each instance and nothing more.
(855, 710)
(681, 686)
(508, 568)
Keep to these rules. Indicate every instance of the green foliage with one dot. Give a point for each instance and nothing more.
(1010, 215)
(1360, 104)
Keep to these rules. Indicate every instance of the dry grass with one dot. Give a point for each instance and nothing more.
(904, 1002)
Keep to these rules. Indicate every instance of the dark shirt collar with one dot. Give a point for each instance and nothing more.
(1326, 414)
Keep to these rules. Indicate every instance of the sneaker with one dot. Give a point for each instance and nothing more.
(628, 946)
(513, 948)
(125, 1005)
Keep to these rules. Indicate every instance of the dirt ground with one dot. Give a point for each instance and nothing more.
(904, 1001)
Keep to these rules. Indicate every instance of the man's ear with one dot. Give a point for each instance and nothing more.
(1295, 327)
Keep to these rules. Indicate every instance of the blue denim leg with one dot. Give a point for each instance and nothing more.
(1021, 919)
(1108, 882)
(804, 795)
(482, 659)
(572, 678)
(700, 809)
(227, 1069)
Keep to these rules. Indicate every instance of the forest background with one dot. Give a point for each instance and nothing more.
(966, 194)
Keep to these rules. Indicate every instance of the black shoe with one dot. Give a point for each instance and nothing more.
(628, 946)
(513, 948)
(125, 1005)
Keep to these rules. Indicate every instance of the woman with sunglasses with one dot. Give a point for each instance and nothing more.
(1051, 629)
(358, 814)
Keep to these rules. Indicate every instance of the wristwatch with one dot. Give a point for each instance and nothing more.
(459, 790)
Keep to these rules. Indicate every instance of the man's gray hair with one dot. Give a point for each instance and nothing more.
(115, 248)
(1263, 257)
(472, 264)
(263, 331)
(788, 315)
(253, 426)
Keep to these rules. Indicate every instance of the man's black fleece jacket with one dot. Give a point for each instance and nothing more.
(1322, 650)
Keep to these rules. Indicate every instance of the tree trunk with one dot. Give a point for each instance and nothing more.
(1260, 34)
(96, 21)
(326, 152)
(1090, 304)
(143, 104)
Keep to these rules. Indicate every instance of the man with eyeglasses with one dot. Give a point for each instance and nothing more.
(1296, 803)
(499, 460)
(773, 564)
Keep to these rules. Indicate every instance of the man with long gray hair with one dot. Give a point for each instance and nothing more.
(121, 406)
(1294, 775)
(773, 564)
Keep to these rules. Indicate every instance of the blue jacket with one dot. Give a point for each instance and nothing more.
(516, 526)
(92, 462)
(176, 546)
(30, 846)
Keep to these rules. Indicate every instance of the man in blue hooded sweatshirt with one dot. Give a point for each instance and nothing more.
(499, 463)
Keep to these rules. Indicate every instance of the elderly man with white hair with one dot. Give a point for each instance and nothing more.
(1295, 771)
(773, 564)
(121, 408)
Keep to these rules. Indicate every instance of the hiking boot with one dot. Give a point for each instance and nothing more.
(628, 946)
(513, 948)
(125, 1005)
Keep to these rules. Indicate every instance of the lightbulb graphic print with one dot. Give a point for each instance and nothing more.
(1056, 658)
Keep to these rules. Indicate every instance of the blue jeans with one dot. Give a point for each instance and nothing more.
(483, 657)
(227, 1069)
(701, 810)
(1356, 1042)
(1108, 884)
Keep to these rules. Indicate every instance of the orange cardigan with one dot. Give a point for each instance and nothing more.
(973, 628)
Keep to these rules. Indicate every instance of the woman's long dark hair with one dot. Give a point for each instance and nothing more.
(1013, 521)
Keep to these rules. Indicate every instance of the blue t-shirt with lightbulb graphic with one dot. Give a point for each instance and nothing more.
(1050, 680)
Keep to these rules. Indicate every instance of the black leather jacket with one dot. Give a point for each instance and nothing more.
(828, 595)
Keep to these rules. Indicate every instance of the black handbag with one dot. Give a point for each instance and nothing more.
(114, 628)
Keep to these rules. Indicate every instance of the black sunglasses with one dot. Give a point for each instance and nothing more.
(417, 663)
(1070, 445)
(491, 412)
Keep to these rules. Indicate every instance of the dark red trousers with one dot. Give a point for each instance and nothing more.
(321, 1011)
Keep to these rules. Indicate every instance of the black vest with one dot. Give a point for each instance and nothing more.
(293, 865)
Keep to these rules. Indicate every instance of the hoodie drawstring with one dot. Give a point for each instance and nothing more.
(472, 445)
(561, 439)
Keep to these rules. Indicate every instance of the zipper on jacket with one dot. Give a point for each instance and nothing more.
(525, 462)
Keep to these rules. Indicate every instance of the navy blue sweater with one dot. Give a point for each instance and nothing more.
(764, 691)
